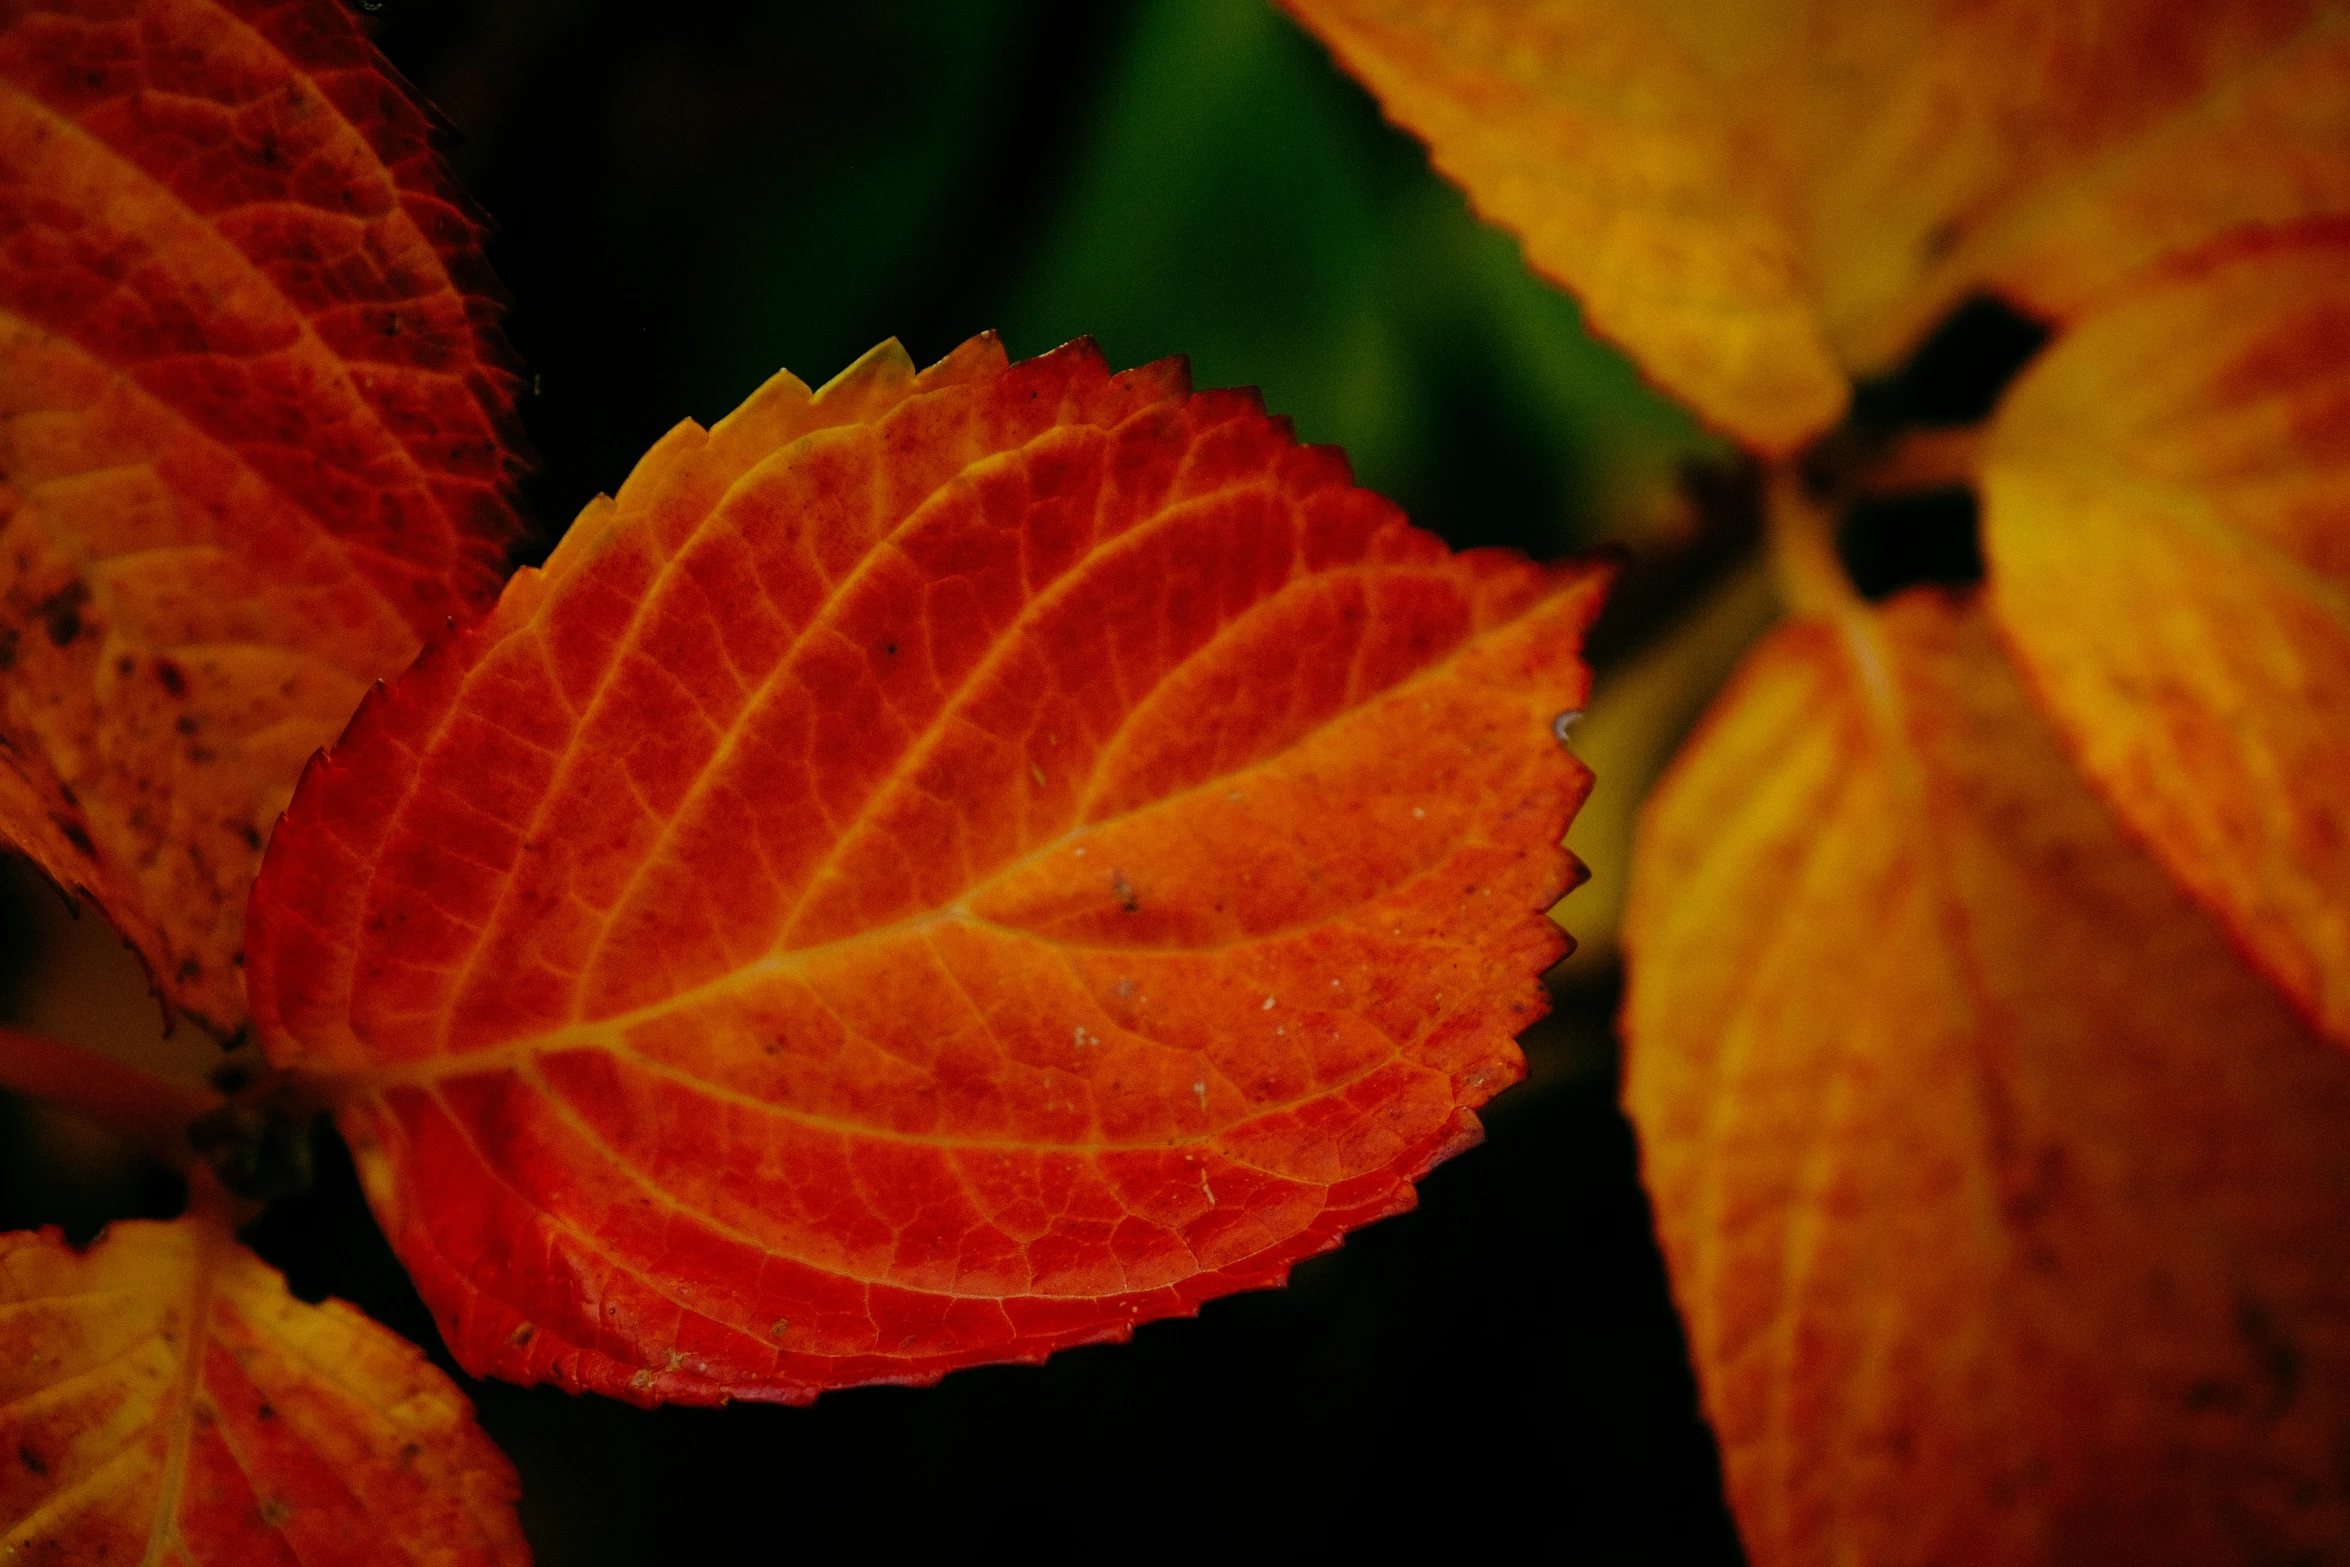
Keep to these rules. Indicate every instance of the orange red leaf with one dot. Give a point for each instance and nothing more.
(2004, 1202)
(938, 870)
(256, 438)
(2167, 519)
(1762, 197)
(163, 1399)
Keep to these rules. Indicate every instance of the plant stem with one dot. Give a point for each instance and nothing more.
(139, 1106)
(1801, 533)
(1925, 459)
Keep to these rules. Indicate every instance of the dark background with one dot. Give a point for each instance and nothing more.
(691, 195)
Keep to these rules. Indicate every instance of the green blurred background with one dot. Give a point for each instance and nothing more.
(690, 195)
(693, 195)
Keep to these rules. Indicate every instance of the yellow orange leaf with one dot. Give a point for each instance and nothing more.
(2167, 519)
(1761, 197)
(1588, 131)
(164, 1400)
(256, 438)
(2005, 1205)
(939, 869)
(2268, 149)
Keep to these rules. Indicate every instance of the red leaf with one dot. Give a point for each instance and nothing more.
(259, 437)
(934, 873)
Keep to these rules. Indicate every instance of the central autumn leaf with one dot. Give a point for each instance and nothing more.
(938, 870)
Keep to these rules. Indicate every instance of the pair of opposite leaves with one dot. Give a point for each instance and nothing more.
(2037, 192)
(938, 869)
(2008, 1206)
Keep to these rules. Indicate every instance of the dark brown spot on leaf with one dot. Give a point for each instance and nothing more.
(62, 610)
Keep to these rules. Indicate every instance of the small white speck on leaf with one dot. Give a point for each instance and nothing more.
(1564, 722)
(1418, 814)
(1268, 1006)
(1200, 1090)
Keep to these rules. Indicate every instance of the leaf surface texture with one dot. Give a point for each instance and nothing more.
(2004, 1202)
(936, 870)
(164, 1400)
(256, 438)
(2167, 517)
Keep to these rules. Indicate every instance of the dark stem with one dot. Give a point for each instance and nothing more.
(139, 1106)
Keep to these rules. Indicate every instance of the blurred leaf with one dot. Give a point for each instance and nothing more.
(2004, 1202)
(1988, 1173)
(2165, 505)
(1761, 197)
